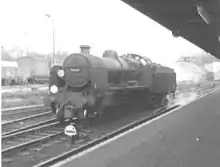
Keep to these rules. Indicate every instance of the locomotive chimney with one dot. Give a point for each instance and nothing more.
(85, 49)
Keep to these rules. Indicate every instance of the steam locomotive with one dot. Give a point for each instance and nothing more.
(85, 85)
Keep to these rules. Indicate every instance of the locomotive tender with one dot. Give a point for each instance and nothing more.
(85, 85)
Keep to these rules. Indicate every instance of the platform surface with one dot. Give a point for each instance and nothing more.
(188, 137)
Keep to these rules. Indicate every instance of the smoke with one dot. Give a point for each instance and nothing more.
(189, 72)
(214, 68)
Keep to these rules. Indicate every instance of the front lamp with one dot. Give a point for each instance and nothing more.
(60, 73)
(53, 89)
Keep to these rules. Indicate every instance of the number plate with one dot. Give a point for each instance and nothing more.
(75, 70)
(70, 130)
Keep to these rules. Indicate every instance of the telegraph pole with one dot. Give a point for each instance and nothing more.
(53, 27)
(2, 51)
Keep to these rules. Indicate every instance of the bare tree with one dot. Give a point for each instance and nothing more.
(6, 55)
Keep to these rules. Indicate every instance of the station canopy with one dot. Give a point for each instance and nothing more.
(198, 21)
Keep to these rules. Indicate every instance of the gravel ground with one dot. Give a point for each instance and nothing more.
(61, 144)
(21, 93)
(26, 124)
(23, 86)
(35, 97)
(31, 100)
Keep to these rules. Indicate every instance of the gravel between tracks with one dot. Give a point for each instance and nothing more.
(60, 144)
(27, 121)
(57, 146)
(6, 117)
(19, 118)
(19, 102)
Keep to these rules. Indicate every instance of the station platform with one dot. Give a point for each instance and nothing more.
(187, 137)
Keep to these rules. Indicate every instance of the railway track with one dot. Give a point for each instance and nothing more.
(46, 138)
(21, 112)
(106, 137)
(32, 143)
(31, 119)
(112, 134)
(22, 128)
(10, 112)
(15, 142)
(18, 109)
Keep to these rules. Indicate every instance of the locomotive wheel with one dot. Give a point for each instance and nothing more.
(60, 115)
(156, 100)
(99, 113)
(151, 101)
(173, 96)
(85, 120)
(165, 101)
(99, 109)
(53, 108)
(62, 120)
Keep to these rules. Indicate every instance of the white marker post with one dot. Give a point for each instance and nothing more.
(70, 130)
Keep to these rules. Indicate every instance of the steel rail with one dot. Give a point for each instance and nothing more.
(29, 127)
(19, 146)
(26, 118)
(100, 140)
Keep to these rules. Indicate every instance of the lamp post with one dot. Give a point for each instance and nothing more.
(52, 20)
(2, 51)
(26, 43)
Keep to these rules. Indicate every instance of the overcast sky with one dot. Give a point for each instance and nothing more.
(102, 24)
